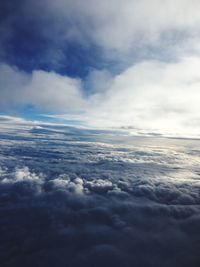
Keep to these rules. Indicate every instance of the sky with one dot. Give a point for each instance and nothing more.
(119, 64)
(99, 133)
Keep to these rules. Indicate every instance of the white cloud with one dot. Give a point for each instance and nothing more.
(155, 95)
(150, 95)
(65, 183)
(122, 25)
(42, 90)
(23, 175)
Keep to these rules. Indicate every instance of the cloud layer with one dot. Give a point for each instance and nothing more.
(71, 199)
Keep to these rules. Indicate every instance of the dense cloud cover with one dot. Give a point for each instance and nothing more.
(125, 63)
(51, 30)
(76, 197)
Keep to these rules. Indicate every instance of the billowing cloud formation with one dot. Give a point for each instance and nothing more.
(152, 95)
(72, 200)
(119, 64)
(42, 90)
(117, 25)
(159, 97)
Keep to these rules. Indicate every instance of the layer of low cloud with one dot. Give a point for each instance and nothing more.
(75, 203)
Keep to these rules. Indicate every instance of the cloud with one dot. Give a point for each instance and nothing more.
(144, 77)
(144, 22)
(63, 31)
(159, 96)
(152, 96)
(78, 203)
(84, 197)
(42, 90)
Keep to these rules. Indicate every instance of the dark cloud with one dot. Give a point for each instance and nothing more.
(71, 38)
(79, 203)
(37, 36)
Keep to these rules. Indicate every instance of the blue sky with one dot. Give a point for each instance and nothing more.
(118, 64)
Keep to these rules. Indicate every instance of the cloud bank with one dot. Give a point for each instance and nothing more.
(73, 202)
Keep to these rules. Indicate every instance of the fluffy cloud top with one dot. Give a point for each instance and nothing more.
(71, 202)
(43, 90)
(151, 95)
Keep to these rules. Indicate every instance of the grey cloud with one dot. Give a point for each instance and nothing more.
(145, 23)
(149, 28)
(78, 203)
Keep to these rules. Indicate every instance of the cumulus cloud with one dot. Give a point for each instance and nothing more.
(151, 95)
(97, 204)
(77, 203)
(154, 94)
(161, 97)
(42, 90)
(146, 78)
